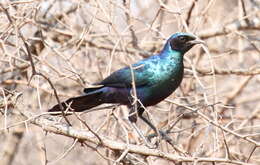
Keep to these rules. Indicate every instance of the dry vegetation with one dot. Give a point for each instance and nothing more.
(60, 46)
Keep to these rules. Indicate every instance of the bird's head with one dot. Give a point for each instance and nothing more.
(183, 42)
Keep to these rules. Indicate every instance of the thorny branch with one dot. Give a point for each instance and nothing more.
(49, 126)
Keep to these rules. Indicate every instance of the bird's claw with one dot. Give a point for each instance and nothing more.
(162, 135)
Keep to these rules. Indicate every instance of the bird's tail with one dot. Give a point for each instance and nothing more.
(80, 103)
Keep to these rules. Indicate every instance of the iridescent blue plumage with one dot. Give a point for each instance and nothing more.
(155, 78)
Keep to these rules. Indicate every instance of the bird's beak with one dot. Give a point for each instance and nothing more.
(197, 41)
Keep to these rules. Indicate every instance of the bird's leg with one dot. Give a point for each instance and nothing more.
(149, 123)
(140, 114)
(133, 118)
(137, 111)
(157, 131)
(147, 143)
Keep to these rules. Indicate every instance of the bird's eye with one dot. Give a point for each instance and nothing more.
(183, 39)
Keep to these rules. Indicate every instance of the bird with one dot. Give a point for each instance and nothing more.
(140, 85)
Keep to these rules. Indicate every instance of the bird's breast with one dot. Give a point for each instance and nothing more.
(164, 80)
(167, 73)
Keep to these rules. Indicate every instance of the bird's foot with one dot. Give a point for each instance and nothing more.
(146, 140)
(163, 135)
(166, 137)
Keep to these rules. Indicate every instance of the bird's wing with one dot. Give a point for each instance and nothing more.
(123, 77)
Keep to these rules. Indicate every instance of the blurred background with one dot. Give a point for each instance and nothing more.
(72, 44)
